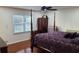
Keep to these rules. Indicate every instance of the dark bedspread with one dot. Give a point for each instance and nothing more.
(55, 42)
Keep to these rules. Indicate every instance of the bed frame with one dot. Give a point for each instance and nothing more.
(39, 48)
(32, 35)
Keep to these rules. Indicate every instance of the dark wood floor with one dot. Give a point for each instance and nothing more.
(21, 47)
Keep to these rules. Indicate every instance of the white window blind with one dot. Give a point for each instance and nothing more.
(21, 23)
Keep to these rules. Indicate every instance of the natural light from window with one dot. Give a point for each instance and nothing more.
(21, 23)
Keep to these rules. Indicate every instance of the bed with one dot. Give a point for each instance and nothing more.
(55, 42)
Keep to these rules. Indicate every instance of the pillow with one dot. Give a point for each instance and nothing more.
(74, 35)
(68, 35)
(77, 35)
(71, 35)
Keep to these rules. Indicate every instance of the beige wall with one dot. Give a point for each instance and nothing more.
(6, 27)
(66, 19)
(50, 18)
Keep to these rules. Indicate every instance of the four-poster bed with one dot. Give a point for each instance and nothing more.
(54, 41)
(40, 30)
(33, 33)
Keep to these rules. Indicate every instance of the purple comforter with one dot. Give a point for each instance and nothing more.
(55, 42)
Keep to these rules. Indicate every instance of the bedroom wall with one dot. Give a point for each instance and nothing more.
(66, 19)
(6, 27)
(50, 18)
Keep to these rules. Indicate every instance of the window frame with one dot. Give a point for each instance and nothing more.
(24, 17)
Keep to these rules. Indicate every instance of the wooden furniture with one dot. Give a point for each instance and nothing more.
(3, 45)
(38, 49)
(34, 33)
(42, 25)
(3, 49)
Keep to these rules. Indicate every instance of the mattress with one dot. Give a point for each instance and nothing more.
(55, 42)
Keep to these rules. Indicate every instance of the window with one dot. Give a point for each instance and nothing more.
(21, 23)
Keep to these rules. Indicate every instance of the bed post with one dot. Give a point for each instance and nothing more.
(54, 22)
(31, 33)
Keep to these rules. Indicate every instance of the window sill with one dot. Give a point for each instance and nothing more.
(22, 32)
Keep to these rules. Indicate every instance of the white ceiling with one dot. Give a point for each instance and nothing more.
(39, 7)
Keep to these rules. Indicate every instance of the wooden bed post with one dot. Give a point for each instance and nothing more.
(54, 22)
(31, 33)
